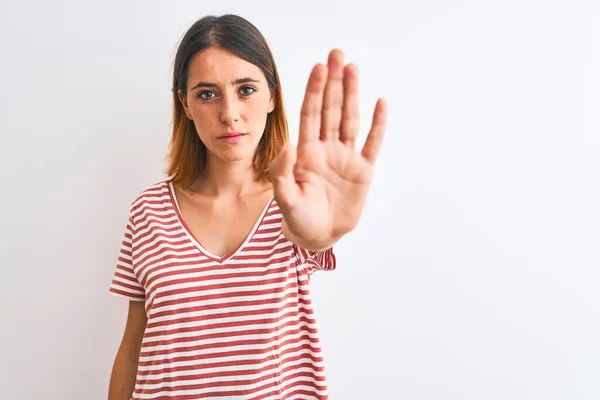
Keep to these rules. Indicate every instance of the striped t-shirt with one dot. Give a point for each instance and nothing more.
(235, 327)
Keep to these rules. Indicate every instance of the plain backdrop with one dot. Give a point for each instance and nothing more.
(474, 273)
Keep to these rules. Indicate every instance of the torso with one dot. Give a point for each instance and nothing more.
(236, 327)
(220, 226)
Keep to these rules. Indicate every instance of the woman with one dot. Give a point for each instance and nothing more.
(216, 260)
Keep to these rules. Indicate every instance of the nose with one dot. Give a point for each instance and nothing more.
(230, 110)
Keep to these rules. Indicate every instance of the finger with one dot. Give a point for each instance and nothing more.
(350, 112)
(375, 137)
(281, 173)
(310, 114)
(334, 97)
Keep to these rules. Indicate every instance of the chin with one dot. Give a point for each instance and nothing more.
(238, 155)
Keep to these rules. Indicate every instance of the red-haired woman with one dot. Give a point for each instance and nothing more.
(216, 260)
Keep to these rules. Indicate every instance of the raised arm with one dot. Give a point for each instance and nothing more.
(322, 186)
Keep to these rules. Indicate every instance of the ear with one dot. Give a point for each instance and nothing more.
(184, 103)
(272, 101)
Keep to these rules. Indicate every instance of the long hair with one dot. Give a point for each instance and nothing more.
(186, 157)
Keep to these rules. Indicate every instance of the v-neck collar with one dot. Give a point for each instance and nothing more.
(208, 254)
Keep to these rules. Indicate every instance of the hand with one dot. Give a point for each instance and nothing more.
(321, 188)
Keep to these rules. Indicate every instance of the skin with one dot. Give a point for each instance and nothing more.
(321, 186)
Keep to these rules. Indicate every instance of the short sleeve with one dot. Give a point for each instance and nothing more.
(323, 260)
(124, 282)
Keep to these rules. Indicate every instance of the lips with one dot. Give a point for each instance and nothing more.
(232, 135)
(232, 138)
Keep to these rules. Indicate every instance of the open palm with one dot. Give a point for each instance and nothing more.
(321, 187)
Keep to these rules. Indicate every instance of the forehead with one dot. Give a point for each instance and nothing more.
(221, 66)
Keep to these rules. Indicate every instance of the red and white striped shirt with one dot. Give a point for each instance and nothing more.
(236, 327)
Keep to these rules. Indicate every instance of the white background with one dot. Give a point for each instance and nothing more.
(474, 273)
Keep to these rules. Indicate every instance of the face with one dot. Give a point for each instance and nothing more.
(228, 99)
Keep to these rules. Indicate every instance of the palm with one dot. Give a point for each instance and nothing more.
(321, 188)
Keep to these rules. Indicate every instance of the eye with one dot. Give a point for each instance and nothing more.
(209, 94)
(201, 95)
(252, 90)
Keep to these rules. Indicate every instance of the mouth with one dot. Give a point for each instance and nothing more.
(232, 138)
(231, 135)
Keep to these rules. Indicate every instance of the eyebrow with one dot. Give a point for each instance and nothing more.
(235, 82)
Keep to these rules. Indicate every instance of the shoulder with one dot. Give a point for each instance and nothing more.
(156, 195)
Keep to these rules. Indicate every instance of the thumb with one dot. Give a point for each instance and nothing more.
(281, 172)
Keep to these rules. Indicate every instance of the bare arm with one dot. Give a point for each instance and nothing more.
(310, 245)
(122, 380)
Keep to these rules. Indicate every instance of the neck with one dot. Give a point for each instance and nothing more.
(229, 179)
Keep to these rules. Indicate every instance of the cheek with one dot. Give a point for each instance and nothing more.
(204, 114)
(199, 111)
(259, 110)
(206, 121)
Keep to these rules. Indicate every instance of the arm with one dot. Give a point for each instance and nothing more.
(310, 245)
(122, 380)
